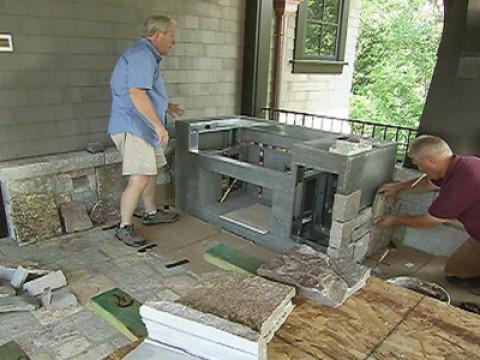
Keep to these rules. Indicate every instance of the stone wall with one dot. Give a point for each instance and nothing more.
(54, 87)
(37, 191)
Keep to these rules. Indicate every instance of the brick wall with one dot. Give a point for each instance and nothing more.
(54, 89)
(326, 94)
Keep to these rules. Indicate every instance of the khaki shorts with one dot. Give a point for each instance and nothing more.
(138, 156)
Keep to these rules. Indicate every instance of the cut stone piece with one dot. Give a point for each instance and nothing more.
(17, 303)
(360, 232)
(225, 294)
(61, 299)
(361, 247)
(46, 297)
(19, 277)
(341, 234)
(103, 212)
(54, 280)
(325, 280)
(346, 207)
(200, 334)
(75, 217)
(364, 217)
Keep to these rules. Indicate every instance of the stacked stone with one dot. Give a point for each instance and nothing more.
(65, 193)
(350, 232)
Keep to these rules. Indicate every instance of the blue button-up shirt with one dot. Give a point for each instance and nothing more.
(138, 67)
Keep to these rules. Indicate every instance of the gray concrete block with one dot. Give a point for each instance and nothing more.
(53, 280)
(346, 207)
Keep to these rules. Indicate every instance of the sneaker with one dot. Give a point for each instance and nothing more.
(161, 216)
(129, 236)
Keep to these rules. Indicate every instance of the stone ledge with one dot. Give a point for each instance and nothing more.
(49, 165)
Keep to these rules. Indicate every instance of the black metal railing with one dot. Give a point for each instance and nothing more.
(402, 135)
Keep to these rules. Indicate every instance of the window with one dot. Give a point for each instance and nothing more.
(320, 36)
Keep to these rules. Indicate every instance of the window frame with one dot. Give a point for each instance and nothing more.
(308, 64)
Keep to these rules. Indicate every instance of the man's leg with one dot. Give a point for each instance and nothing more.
(149, 196)
(463, 267)
(137, 185)
(152, 214)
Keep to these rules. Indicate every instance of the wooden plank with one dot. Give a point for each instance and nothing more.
(433, 330)
(353, 330)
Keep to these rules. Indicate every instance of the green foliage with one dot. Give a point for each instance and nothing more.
(396, 55)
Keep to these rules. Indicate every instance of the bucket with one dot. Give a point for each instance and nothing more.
(421, 286)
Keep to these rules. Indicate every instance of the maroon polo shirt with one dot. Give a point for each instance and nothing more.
(459, 196)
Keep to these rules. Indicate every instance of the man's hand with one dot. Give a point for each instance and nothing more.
(175, 110)
(390, 190)
(162, 134)
(386, 221)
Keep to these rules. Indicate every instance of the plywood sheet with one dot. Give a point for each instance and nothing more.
(352, 330)
(256, 217)
(280, 350)
(433, 330)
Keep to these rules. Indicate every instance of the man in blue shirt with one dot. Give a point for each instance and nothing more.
(138, 123)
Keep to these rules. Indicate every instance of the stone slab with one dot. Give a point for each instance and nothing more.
(54, 280)
(47, 165)
(199, 333)
(17, 303)
(325, 280)
(225, 294)
(34, 217)
(75, 217)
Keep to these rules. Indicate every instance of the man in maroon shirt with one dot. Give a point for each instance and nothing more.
(458, 178)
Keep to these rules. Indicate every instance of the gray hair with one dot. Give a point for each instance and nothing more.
(429, 145)
(156, 23)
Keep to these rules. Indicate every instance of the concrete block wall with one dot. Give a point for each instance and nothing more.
(54, 87)
(325, 94)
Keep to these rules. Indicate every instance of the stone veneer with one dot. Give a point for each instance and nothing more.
(34, 189)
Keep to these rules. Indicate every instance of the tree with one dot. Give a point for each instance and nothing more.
(396, 55)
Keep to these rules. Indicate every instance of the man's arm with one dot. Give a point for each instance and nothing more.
(391, 189)
(421, 221)
(143, 104)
